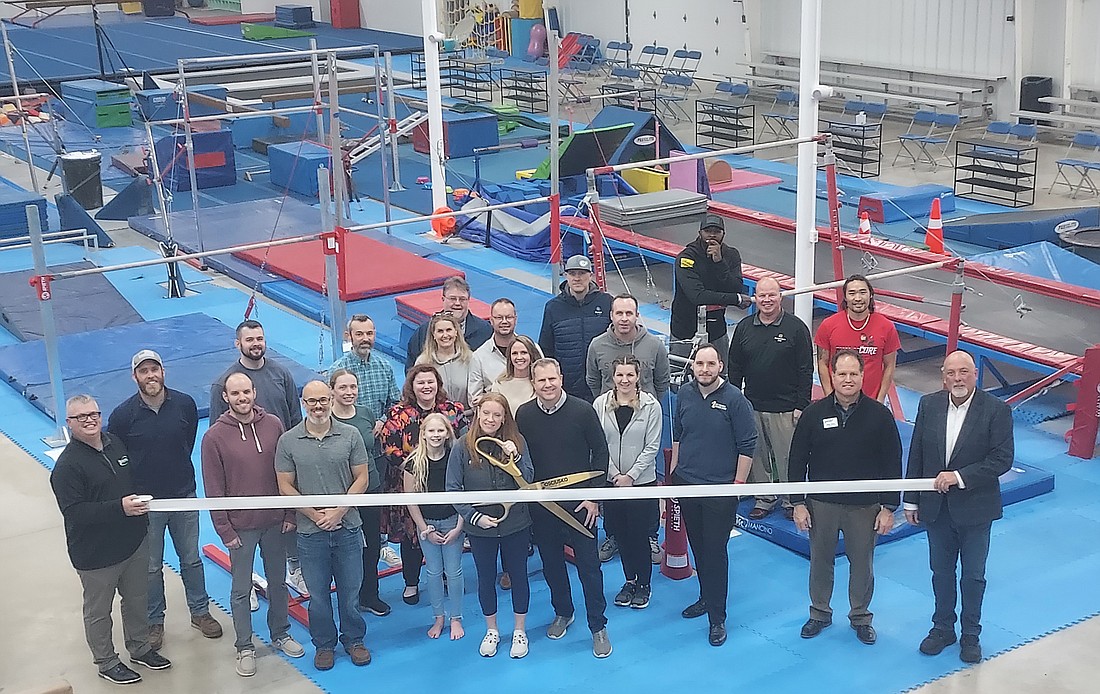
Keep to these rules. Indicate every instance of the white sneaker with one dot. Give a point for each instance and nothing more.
(489, 643)
(253, 600)
(389, 556)
(246, 662)
(289, 646)
(519, 644)
(295, 580)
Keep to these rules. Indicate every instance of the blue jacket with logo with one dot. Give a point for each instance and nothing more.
(568, 327)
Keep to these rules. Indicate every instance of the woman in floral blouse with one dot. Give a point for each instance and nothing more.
(422, 394)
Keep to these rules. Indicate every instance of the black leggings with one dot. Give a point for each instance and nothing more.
(628, 521)
(513, 557)
(412, 558)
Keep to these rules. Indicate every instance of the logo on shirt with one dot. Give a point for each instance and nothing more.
(717, 406)
(123, 461)
(687, 263)
(779, 338)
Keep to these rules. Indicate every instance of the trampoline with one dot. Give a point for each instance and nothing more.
(196, 349)
(81, 304)
(373, 269)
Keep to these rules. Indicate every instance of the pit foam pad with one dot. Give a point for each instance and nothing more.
(374, 268)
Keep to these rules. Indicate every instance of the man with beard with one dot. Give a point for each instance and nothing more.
(275, 389)
(276, 392)
(324, 456)
(713, 438)
(158, 426)
(858, 328)
(238, 459)
(571, 320)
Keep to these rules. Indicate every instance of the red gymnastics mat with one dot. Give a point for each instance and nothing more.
(374, 268)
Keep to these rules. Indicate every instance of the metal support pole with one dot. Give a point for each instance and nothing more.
(391, 106)
(23, 114)
(554, 94)
(336, 307)
(955, 321)
(315, 69)
(382, 134)
(41, 283)
(1082, 436)
(336, 148)
(806, 202)
(599, 268)
(432, 40)
(189, 143)
(834, 219)
(158, 183)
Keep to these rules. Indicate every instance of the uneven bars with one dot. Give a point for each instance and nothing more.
(537, 495)
(284, 242)
(878, 276)
(704, 155)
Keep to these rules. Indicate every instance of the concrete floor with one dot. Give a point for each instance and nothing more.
(41, 606)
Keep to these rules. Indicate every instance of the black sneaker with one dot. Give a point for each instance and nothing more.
(626, 594)
(641, 598)
(695, 609)
(376, 607)
(936, 641)
(120, 674)
(152, 660)
(970, 649)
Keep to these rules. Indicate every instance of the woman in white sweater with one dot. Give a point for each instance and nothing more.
(515, 383)
(445, 348)
(631, 421)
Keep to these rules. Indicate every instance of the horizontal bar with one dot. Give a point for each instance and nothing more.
(877, 276)
(444, 215)
(706, 155)
(256, 113)
(275, 57)
(536, 495)
(21, 97)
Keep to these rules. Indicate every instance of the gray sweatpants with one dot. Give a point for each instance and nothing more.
(130, 579)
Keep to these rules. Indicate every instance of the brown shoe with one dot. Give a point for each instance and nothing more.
(208, 626)
(324, 659)
(759, 513)
(156, 636)
(505, 581)
(359, 654)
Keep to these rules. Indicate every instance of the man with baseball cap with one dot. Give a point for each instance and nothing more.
(571, 320)
(158, 426)
(706, 273)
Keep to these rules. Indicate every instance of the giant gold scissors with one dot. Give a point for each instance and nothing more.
(509, 466)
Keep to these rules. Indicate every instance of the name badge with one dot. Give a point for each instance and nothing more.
(830, 423)
(717, 406)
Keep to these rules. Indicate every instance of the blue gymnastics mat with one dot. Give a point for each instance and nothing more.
(196, 349)
(79, 304)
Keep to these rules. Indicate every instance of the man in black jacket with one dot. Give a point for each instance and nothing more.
(105, 526)
(564, 436)
(963, 438)
(456, 302)
(706, 273)
(846, 436)
(571, 320)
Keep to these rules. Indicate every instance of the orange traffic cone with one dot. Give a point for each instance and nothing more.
(933, 238)
(864, 226)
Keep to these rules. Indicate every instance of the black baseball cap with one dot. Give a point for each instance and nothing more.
(713, 221)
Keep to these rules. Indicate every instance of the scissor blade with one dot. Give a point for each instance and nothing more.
(569, 480)
(569, 520)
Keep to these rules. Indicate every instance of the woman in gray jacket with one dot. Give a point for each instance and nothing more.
(467, 470)
(631, 421)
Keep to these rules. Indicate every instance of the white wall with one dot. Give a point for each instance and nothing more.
(1085, 58)
(402, 16)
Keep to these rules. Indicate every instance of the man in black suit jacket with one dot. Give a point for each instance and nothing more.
(963, 438)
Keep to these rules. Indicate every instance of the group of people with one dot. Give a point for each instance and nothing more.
(483, 408)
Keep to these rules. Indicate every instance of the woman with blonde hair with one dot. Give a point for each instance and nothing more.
(515, 383)
(438, 526)
(445, 348)
(489, 533)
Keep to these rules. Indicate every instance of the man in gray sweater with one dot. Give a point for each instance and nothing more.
(627, 336)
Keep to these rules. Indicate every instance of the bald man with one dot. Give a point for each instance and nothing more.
(962, 438)
(771, 359)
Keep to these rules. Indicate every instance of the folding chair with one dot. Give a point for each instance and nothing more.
(920, 127)
(783, 116)
(999, 127)
(617, 54)
(685, 63)
(1083, 168)
(931, 144)
(652, 62)
(735, 91)
(673, 94)
(1024, 132)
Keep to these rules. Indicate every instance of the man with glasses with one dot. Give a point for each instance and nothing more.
(158, 426)
(456, 302)
(491, 359)
(324, 456)
(105, 529)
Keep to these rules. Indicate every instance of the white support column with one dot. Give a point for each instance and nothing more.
(432, 41)
(805, 219)
(1073, 10)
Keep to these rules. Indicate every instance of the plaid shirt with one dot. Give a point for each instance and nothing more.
(377, 387)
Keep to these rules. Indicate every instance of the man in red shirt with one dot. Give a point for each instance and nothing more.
(857, 327)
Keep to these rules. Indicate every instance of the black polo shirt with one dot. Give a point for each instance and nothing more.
(160, 443)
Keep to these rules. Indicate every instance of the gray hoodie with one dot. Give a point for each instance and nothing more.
(646, 347)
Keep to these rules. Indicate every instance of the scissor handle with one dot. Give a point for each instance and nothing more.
(508, 466)
(507, 506)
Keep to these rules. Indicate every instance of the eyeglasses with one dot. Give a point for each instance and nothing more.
(444, 312)
(85, 417)
(313, 402)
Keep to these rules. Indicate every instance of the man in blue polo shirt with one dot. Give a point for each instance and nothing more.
(158, 427)
(713, 438)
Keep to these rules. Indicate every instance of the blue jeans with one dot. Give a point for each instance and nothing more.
(440, 558)
(183, 527)
(326, 557)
